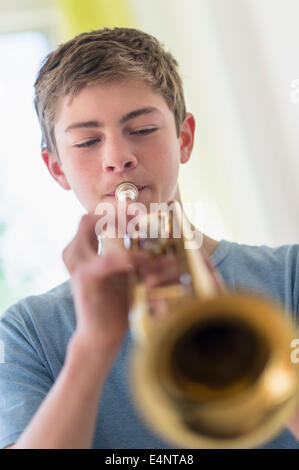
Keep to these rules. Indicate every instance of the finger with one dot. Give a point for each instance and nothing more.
(168, 276)
(87, 232)
(158, 265)
(114, 262)
(155, 264)
(159, 309)
(83, 246)
(100, 268)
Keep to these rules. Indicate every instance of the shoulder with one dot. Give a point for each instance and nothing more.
(261, 257)
(272, 270)
(42, 304)
(43, 323)
(256, 255)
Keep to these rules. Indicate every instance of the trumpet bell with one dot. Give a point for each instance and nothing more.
(224, 376)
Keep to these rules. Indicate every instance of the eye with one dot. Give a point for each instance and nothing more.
(145, 131)
(88, 143)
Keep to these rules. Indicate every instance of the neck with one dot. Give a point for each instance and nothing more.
(209, 245)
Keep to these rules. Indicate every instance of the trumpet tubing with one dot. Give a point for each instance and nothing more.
(217, 371)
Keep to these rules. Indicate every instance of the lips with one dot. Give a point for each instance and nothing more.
(140, 188)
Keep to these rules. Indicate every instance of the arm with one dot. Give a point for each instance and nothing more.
(67, 416)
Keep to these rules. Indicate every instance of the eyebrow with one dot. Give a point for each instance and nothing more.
(125, 118)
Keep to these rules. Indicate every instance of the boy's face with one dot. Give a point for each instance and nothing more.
(115, 132)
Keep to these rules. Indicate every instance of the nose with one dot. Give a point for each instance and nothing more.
(119, 165)
(118, 158)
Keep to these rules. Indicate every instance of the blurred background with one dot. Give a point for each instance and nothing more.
(239, 62)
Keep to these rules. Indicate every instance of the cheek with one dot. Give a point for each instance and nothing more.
(82, 178)
(164, 170)
(74, 172)
(166, 161)
(79, 169)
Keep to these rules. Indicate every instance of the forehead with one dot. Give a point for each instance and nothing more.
(110, 99)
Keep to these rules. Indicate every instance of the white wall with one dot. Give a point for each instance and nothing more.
(238, 60)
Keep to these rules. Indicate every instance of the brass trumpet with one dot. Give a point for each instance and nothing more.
(217, 371)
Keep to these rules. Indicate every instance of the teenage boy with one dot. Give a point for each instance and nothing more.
(111, 109)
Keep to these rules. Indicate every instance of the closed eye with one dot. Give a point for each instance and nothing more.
(145, 131)
(88, 143)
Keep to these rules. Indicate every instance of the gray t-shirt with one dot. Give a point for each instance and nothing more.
(36, 330)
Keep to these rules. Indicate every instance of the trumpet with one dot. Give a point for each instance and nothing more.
(216, 371)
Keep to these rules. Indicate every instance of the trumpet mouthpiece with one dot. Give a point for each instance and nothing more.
(126, 191)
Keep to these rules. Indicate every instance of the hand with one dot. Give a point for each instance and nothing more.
(100, 286)
(164, 271)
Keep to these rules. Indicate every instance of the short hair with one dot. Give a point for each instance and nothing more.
(104, 55)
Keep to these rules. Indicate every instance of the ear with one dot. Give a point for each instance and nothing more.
(187, 137)
(55, 168)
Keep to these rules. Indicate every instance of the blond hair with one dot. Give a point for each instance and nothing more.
(99, 56)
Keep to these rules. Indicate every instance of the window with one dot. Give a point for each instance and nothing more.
(33, 210)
